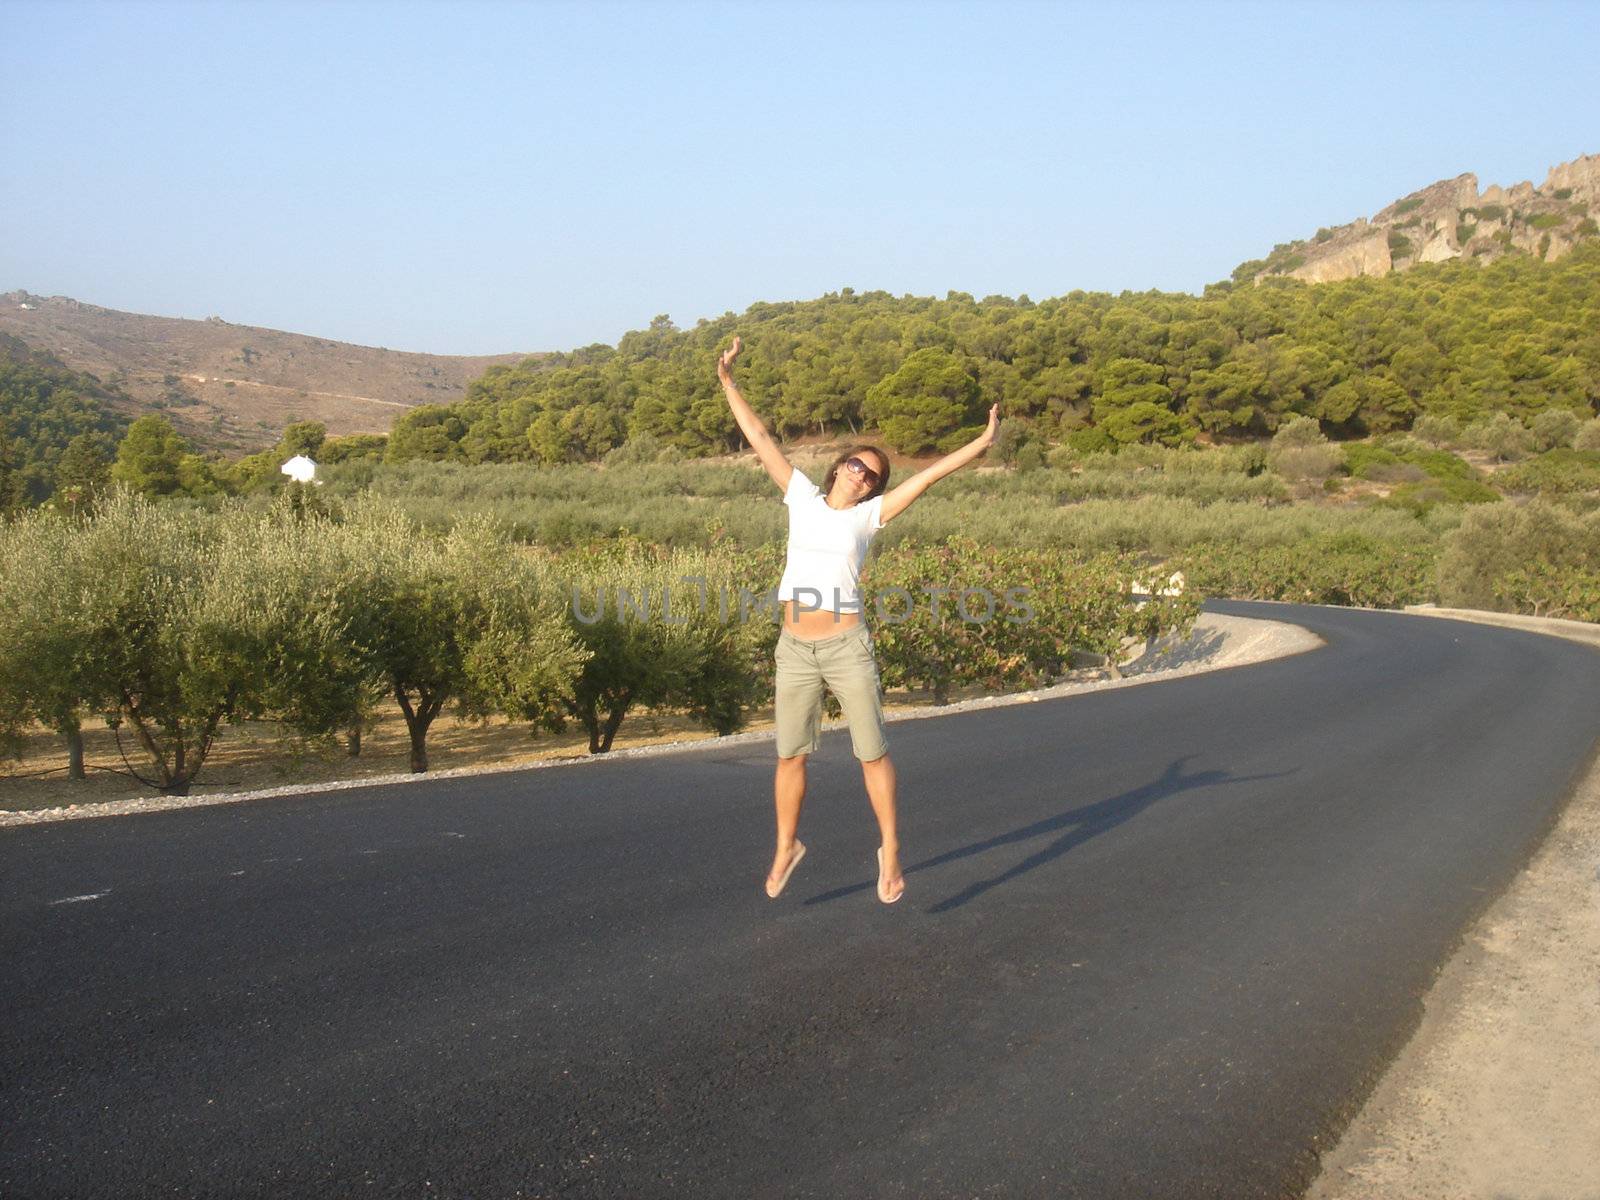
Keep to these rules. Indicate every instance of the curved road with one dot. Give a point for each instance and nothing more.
(1158, 941)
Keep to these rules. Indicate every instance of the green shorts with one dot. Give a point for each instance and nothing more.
(842, 661)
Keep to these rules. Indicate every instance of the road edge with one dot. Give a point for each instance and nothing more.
(1270, 639)
(1464, 1109)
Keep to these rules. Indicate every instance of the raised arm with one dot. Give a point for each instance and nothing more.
(901, 498)
(754, 431)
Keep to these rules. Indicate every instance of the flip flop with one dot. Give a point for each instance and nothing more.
(799, 853)
(881, 895)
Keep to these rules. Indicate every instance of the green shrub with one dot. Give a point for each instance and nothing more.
(1441, 464)
(1330, 568)
(1491, 212)
(1588, 226)
(1437, 430)
(1558, 471)
(1535, 557)
(1067, 602)
(1551, 590)
(1361, 459)
(1406, 206)
(1464, 234)
(1300, 453)
(1422, 496)
(1564, 193)
(1062, 458)
(1091, 440)
(1399, 245)
(1030, 457)
(1546, 221)
(691, 633)
(1499, 435)
(1554, 427)
(1588, 436)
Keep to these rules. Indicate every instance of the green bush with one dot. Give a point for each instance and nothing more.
(1441, 464)
(1588, 436)
(1420, 497)
(1363, 459)
(1555, 427)
(1399, 245)
(1091, 440)
(680, 628)
(1535, 557)
(1559, 471)
(1501, 436)
(1406, 206)
(1030, 457)
(1301, 453)
(1046, 604)
(1464, 233)
(1437, 430)
(1546, 221)
(1329, 568)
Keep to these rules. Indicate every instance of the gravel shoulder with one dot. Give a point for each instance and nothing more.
(1493, 1097)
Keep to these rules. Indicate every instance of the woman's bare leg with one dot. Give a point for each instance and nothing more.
(789, 792)
(879, 775)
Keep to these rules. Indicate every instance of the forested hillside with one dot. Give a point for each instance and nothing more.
(1459, 339)
(58, 427)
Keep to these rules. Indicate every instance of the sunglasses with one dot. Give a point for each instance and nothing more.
(856, 467)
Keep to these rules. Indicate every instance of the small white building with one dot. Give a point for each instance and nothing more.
(300, 469)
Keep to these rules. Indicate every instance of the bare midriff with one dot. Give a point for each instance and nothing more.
(812, 623)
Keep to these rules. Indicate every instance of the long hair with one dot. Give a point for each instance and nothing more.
(849, 453)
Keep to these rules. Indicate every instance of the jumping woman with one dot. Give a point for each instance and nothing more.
(824, 639)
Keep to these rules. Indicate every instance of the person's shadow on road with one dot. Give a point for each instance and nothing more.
(1080, 825)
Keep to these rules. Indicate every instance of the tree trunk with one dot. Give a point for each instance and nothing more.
(75, 753)
(418, 718)
(177, 783)
(614, 721)
(354, 745)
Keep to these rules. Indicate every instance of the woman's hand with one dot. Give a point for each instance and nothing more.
(725, 363)
(993, 431)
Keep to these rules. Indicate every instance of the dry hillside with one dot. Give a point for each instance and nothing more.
(1449, 219)
(234, 387)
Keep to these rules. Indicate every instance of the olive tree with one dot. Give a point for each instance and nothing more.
(45, 674)
(677, 628)
(462, 618)
(101, 616)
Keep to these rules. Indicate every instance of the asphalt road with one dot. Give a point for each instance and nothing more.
(1157, 942)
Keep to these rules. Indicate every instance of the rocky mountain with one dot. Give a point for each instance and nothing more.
(1448, 219)
(234, 387)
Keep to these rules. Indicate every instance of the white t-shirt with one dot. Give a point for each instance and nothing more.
(826, 548)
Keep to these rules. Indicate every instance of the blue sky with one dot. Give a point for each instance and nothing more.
(479, 178)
